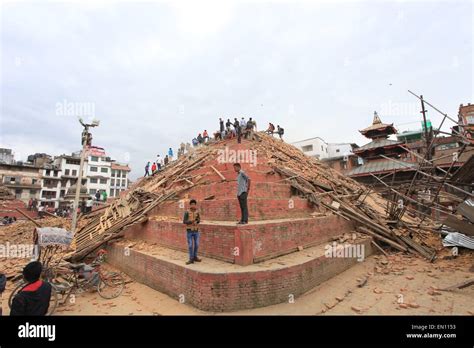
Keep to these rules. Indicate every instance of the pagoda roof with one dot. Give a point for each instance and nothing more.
(375, 167)
(377, 143)
(378, 127)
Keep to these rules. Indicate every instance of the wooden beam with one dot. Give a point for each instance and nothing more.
(33, 221)
(219, 173)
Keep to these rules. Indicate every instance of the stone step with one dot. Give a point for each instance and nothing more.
(217, 286)
(244, 244)
(228, 209)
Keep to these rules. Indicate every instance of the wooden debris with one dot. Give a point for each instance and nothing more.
(218, 173)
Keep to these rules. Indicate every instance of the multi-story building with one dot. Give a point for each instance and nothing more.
(50, 185)
(119, 179)
(23, 180)
(313, 147)
(339, 156)
(50, 180)
(466, 121)
(97, 171)
(318, 148)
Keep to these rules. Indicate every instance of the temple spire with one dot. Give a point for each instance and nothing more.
(376, 118)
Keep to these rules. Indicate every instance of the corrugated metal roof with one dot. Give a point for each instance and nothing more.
(380, 166)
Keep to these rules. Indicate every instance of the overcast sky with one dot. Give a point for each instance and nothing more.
(157, 73)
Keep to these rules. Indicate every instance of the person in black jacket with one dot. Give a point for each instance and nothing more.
(34, 297)
(192, 219)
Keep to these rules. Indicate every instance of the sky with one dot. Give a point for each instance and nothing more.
(158, 73)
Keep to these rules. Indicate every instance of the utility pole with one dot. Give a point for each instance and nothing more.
(86, 141)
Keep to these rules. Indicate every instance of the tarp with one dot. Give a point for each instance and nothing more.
(53, 236)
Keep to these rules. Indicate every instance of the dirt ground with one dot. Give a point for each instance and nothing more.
(397, 285)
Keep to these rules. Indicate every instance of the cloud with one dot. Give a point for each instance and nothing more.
(160, 72)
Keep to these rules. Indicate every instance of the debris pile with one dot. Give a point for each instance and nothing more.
(17, 237)
(329, 191)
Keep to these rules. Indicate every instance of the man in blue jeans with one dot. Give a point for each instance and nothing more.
(191, 220)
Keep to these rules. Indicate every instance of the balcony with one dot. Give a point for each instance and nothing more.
(22, 185)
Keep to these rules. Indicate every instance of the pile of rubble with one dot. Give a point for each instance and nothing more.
(329, 191)
(19, 236)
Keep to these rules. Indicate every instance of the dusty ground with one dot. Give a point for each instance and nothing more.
(413, 282)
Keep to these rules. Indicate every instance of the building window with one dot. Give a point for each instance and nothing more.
(33, 181)
(74, 172)
(93, 180)
(112, 182)
(104, 170)
(103, 181)
(66, 172)
(113, 172)
(112, 192)
(48, 172)
(92, 191)
(94, 159)
(307, 148)
(124, 174)
(62, 193)
(94, 169)
(55, 173)
(48, 194)
(33, 192)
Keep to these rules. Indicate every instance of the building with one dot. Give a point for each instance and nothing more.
(22, 179)
(52, 181)
(381, 154)
(119, 181)
(50, 185)
(313, 147)
(318, 148)
(466, 121)
(6, 156)
(98, 171)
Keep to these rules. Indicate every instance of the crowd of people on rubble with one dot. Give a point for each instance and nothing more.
(237, 129)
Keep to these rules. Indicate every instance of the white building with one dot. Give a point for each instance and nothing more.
(314, 147)
(100, 174)
(119, 179)
(50, 176)
(318, 148)
(98, 171)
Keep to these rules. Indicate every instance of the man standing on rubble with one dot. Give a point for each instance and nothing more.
(221, 125)
(243, 189)
(192, 219)
(147, 173)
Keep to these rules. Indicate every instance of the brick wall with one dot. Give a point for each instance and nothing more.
(254, 243)
(229, 291)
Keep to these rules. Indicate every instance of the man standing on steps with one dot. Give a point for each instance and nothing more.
(191, 220)
(243, 189)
